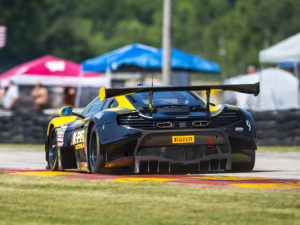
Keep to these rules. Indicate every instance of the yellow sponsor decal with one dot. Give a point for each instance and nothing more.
(183, 139)
(78, 146)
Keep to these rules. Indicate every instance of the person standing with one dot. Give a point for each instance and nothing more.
(2, 92)
(39, 95)
(11, 96)
(70, 96)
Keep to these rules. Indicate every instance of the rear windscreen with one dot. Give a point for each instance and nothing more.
(165, 98)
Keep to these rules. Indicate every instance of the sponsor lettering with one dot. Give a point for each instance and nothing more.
(99, 115)
(78, 146)
(60, 133)
(183, 139)
(54, 66)
(239, 129)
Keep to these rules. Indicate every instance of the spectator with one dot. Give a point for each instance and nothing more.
(250, 69)
(69, 96)
(11, 96)
(57, 98)
(39, 95)
(2, 92)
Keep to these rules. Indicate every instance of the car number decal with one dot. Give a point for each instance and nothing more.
(183, 139)
(77, 140)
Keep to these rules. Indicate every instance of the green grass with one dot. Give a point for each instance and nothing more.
(278, 148)
(35, 200)
(23, 146)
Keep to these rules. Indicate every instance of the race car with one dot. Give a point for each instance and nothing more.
(161, 129)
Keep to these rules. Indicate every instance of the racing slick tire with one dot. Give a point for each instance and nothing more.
(52, 151)
(96, 161)
(246, 166)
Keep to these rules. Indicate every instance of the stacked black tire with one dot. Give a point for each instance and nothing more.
(5, 127)
(280, 127)
(23, 127)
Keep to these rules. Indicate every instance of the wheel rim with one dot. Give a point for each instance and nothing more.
(52, 150)
(93, 150)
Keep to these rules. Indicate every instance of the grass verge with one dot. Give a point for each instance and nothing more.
(23, 146)
(278, 149)
(34, 200)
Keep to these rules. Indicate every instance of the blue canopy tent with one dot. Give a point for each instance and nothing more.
(142, 57)
(286, 64)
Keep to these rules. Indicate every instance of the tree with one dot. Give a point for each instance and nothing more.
(236, 38)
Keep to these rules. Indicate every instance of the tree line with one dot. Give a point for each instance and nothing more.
(229, 32)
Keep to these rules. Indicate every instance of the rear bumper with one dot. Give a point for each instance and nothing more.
(156, 152)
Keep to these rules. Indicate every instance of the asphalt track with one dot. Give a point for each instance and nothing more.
(272, 170)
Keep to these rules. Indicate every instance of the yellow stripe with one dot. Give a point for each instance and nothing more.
(287, 185)
(124, 103)
(225, 178)
(54, 163)
(44, 173)
(142, 179)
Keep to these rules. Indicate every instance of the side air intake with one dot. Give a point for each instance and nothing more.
(164, 124)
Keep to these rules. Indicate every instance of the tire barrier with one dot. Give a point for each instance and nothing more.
(281, 127)
(24, 127)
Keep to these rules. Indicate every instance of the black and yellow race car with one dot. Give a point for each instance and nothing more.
(154, 130)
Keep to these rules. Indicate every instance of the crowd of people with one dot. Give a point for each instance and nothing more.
(39, 96)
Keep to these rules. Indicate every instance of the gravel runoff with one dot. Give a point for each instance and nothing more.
(268, 165)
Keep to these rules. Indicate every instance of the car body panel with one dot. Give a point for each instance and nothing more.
(59, 121)
(131, 138)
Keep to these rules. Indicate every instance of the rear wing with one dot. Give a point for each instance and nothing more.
(243, 88)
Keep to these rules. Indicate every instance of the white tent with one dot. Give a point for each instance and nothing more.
(287, 50)
(278, 90)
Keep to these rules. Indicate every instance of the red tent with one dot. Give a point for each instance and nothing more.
(52, 71)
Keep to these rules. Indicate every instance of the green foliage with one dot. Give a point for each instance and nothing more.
(236, 38)
(230, 32)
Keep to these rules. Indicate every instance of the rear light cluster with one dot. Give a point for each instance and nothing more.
(135, 121)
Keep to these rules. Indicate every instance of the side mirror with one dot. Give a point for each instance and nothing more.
(66, 111)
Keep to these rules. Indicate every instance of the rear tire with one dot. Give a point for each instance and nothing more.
(244, 167)
(52, 151)
(96, 161)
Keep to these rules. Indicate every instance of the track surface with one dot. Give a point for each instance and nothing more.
(272, 170)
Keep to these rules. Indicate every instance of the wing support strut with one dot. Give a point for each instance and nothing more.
(150, 102)
(207, 102)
